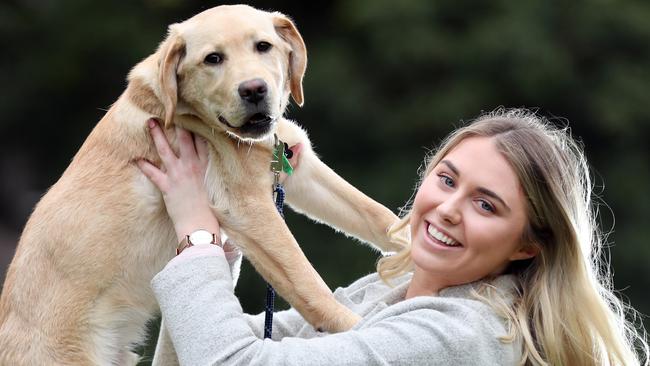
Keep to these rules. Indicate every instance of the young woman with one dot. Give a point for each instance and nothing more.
(503, 266)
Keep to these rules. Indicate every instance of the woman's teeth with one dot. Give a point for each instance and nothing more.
(442, 237)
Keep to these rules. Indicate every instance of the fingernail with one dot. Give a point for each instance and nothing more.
(152, 123)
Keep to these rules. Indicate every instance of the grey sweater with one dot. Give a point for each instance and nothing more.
(207, 325)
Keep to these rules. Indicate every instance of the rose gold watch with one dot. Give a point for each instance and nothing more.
(197, 237)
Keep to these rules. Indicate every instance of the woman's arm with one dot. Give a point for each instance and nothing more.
(207, 327)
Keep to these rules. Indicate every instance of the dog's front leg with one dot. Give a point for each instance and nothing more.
(256, 227)
(317, 191)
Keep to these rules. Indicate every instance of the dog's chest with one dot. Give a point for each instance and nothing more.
(236, 172)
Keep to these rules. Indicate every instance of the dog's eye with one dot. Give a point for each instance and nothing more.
(214, 58)
(263, 46)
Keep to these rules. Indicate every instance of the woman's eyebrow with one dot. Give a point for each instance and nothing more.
(488, 192)
(483, 190)
(451, 166)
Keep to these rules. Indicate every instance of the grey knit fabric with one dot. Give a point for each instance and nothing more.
(208, 327)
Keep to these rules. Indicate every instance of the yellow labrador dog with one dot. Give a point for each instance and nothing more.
(77, 291)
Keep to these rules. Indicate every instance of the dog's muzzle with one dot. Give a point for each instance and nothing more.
(256, 125)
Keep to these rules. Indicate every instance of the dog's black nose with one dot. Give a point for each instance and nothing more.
(253, 90)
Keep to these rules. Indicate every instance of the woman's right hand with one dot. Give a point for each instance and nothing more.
(181, 180)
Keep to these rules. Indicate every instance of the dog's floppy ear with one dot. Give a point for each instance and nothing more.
(297, 57)
(171, 52)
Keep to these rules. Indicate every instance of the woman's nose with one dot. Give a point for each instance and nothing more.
(449, 210)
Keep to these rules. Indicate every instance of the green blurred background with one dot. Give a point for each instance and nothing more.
(386, 81)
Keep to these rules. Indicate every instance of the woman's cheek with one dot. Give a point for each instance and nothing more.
(477, 229)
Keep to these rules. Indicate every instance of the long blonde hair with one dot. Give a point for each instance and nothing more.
(566, 312)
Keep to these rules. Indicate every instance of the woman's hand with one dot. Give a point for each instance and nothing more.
(181, 181)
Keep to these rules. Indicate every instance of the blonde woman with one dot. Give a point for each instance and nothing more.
(503, 267)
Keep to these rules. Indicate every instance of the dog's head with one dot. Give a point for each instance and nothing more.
(233, 67)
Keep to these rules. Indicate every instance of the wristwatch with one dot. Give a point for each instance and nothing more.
(197, 237)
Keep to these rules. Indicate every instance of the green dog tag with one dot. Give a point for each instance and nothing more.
(280, 163)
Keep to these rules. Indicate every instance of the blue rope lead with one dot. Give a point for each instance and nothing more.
(278, 192)
(268, 311)
(279, 198)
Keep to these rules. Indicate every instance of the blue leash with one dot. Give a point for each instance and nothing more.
(280, 163)
(278, 192)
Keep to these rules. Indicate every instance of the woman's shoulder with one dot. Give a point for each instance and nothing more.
(504, 287)
(475, 302)
(456, 316)
(483, 298)
(374, 280)
(371, 287)
(370, 295)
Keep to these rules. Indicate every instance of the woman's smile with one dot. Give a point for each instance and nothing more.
(440, 240)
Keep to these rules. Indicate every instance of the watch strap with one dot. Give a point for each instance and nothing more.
(186, 243)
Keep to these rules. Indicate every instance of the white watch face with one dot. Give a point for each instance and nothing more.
(201, 237)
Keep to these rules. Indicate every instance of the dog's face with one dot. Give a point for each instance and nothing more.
(233, 67)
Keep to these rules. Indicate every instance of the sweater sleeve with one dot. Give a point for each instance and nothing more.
(234, 258)
(286, 323)
(208, 327)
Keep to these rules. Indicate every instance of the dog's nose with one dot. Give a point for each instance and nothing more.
(253, 90)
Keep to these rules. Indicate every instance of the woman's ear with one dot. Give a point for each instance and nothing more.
(171, 52)
(526, 251)
(297, 57)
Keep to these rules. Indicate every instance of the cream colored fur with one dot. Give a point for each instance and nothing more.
(77, 291)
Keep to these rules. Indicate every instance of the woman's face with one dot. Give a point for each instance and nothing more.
(468, 216)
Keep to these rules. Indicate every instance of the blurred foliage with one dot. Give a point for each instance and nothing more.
(386, 81)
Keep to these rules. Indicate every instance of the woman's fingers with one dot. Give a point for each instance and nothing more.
(191, 146)
(186, 143)
(155, 175)
(201, 148)
(160, 140)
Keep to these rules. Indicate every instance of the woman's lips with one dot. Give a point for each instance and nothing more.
(438, 239)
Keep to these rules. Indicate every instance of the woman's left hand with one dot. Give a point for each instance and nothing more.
(181, 180)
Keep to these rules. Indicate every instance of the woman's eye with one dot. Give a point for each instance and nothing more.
(446, 180)
(213, 58)
(263, 46)
(486, 205)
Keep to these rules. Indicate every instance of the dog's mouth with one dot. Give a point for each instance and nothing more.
(258, 119)
(256, 125)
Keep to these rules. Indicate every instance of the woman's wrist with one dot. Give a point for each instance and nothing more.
(200, 220)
